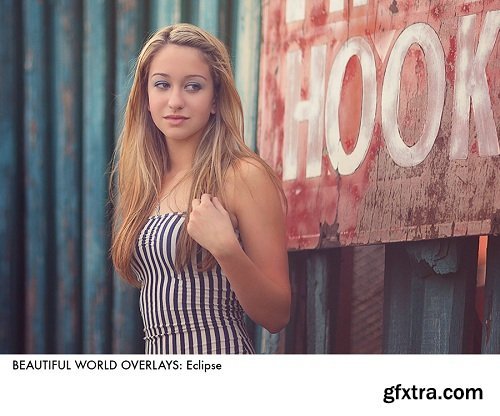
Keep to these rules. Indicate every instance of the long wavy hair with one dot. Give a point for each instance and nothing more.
(141, 159)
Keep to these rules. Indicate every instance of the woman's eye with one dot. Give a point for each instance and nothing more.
(162, 84)
(193, 87)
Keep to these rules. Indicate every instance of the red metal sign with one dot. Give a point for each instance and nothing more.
(382, 118)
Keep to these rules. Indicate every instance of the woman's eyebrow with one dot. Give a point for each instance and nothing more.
(187, 76)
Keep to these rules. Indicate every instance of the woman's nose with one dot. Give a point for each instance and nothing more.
(175, 100)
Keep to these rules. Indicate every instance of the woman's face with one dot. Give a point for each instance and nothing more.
(180, 93)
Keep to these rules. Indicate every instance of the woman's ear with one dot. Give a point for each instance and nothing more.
(212, 110)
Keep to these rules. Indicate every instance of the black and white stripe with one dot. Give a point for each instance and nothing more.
(185, 312)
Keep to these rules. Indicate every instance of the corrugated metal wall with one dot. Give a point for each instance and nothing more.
(65, 74)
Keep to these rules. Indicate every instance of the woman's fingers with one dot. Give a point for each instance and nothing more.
(218, 204)
(210, 225)
(195, 203)
(206, 198)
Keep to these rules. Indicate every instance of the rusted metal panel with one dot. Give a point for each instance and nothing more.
(96, 150)
(11, 231)
(127, 326)
(382, 118)
(66, 121)
(37, 244)
(66, 69)
(245, 52)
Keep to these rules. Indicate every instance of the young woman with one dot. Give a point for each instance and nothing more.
(199, 220)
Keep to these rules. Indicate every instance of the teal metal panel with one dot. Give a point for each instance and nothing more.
(64, 110)
(315, 308)
(270, 343)
(165, 12)
(127, 328)
(66, 119)
(317, 303)
(245, 41)
(10, 226)
(397, 301)
(97, 133)
(209, 15)
(426, 311)
(36, 183)
(322, 269)
(491, 319)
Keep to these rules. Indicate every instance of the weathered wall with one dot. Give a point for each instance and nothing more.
(66, 68)
(383, 118)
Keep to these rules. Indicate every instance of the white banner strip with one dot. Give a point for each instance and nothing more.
(253, 385)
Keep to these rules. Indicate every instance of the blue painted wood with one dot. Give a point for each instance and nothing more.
(426, 312)
(127, 328)
(491, 319)
(66, 121)
(97, 134)
(10, 185)
(165, 12)
(245, 42)
(36, 167)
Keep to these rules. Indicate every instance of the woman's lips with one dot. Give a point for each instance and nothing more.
(175, 120)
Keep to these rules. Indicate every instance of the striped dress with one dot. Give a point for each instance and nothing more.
(185, 312)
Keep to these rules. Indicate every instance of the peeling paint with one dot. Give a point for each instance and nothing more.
(495, 223)
(440, 255)
(382, 119)
(394, 7)
(329, 235)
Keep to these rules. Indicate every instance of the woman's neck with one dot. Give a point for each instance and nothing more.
(181, 156)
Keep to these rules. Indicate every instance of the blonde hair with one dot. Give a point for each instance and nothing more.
(141, 159)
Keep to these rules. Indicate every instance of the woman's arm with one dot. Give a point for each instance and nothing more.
(259, 273)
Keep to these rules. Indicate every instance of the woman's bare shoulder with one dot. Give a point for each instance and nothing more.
(248, 171)
(247, 176)
(250, 183)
